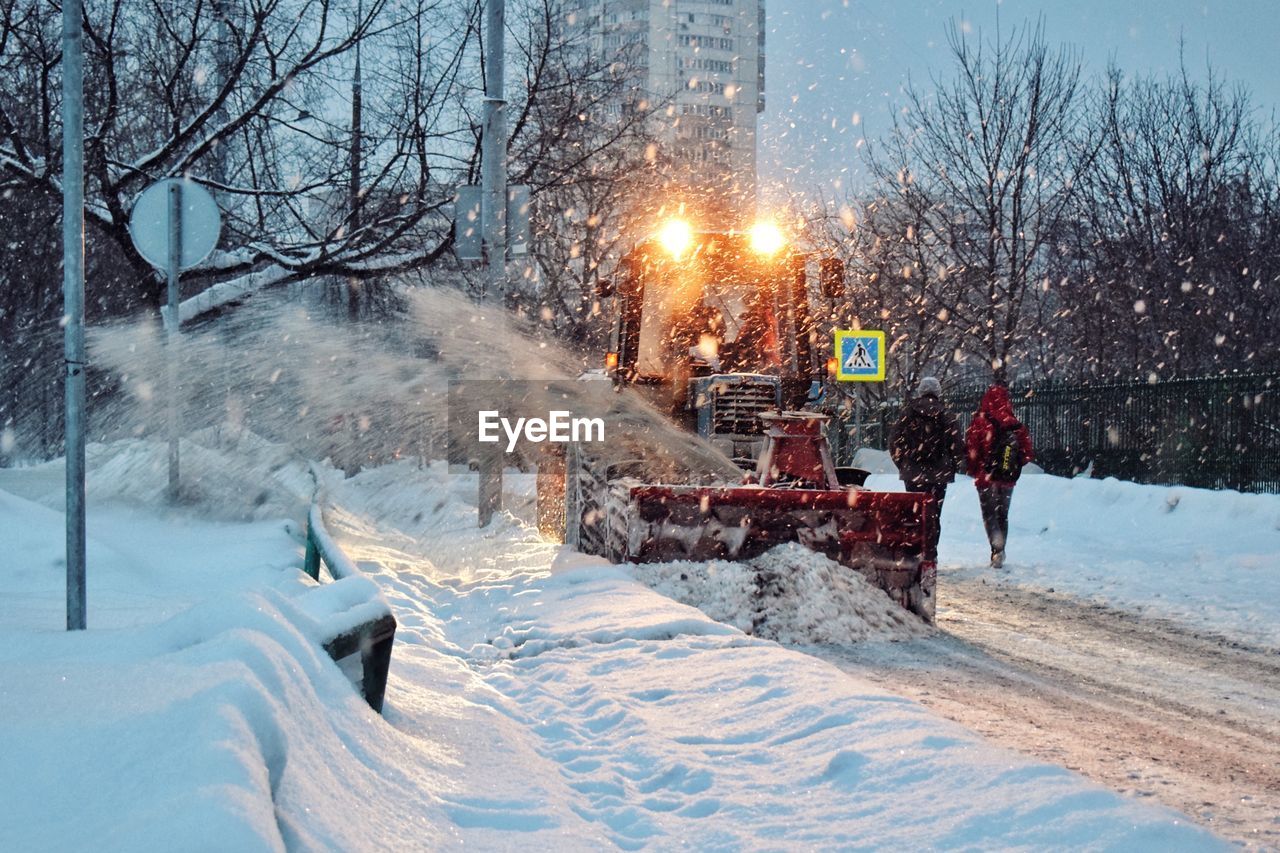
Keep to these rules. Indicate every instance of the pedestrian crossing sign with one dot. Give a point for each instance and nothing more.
(860, 355)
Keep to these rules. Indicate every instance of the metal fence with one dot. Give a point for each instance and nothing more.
(1220, 432)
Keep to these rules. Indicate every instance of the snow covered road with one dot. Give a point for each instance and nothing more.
(1142, 705)
(1134, 636)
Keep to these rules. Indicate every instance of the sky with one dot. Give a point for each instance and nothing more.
(828, 60)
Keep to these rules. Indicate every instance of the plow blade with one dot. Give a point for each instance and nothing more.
(598, 507)
(880, 535)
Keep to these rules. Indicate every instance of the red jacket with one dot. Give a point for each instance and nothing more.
(994, 409)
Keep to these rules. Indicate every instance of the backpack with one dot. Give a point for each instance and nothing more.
(1005, 461)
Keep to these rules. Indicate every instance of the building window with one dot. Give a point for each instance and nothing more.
(708, 42)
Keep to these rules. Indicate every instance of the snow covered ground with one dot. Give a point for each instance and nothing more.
(538, 699)
(1207, 559)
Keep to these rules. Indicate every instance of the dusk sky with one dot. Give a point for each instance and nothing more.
(830, 59)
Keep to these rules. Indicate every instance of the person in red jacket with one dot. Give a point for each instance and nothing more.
(998, 446)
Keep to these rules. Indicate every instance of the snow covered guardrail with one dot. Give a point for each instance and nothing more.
(363, 624)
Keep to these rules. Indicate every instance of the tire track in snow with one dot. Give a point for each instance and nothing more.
(1142, 705)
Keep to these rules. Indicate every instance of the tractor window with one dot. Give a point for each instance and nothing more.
(655, 330)
(749, 337)
(714, 305)
(732, 301)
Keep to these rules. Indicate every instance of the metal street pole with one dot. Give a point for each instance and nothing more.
(73, 302)
(493, 156)
(357, 126)
(493, 210)
(171, 329)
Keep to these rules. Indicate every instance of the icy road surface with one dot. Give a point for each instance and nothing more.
(1144, 706)
(1133, 636)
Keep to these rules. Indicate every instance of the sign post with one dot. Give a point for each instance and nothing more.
(493, 208)
(171, 329)
(174, 225)
(493, 155)
(73, 301)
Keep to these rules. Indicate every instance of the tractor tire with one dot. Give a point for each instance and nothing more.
(551, 493)
(587, 499)
(922, 596)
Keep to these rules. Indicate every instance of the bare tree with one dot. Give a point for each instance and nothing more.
(252, 98)
(585, 154)
(1172, 258)
(996, 151)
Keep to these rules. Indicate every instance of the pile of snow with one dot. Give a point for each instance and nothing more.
(874, 461)
(790, 594)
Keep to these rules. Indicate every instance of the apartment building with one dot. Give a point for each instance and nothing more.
(702, 63)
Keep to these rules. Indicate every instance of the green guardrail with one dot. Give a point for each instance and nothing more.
(371, 639)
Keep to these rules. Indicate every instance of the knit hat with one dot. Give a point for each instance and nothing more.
(929, 385)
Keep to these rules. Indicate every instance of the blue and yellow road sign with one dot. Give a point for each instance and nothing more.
(860, 355)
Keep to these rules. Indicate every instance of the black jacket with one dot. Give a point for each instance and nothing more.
(925, 443)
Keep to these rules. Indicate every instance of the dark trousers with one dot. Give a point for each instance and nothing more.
(994, 500)
(938, 491)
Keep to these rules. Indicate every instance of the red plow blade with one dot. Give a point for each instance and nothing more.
(878, 534)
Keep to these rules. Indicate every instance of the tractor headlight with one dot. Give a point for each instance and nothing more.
(676, 237)
(766, 238)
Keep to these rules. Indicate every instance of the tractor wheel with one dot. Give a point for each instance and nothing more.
(922, 596)
(551, 492)
(587, 501)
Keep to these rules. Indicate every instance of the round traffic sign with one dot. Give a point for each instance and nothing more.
(149, 223)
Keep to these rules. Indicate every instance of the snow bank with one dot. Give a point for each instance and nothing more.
(199, 711)
(790, 594)
(230, 475)
(227, 729)
(141, 567)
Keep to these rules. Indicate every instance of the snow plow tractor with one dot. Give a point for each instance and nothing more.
(714, 330)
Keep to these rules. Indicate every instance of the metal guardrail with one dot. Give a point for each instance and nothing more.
(373, 638)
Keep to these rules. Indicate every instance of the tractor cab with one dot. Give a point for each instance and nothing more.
(715, 328)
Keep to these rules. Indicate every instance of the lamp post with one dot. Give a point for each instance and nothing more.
(493, 155)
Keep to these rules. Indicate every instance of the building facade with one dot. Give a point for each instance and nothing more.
(700, 66)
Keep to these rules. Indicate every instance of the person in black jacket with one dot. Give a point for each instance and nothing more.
(926, 446)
